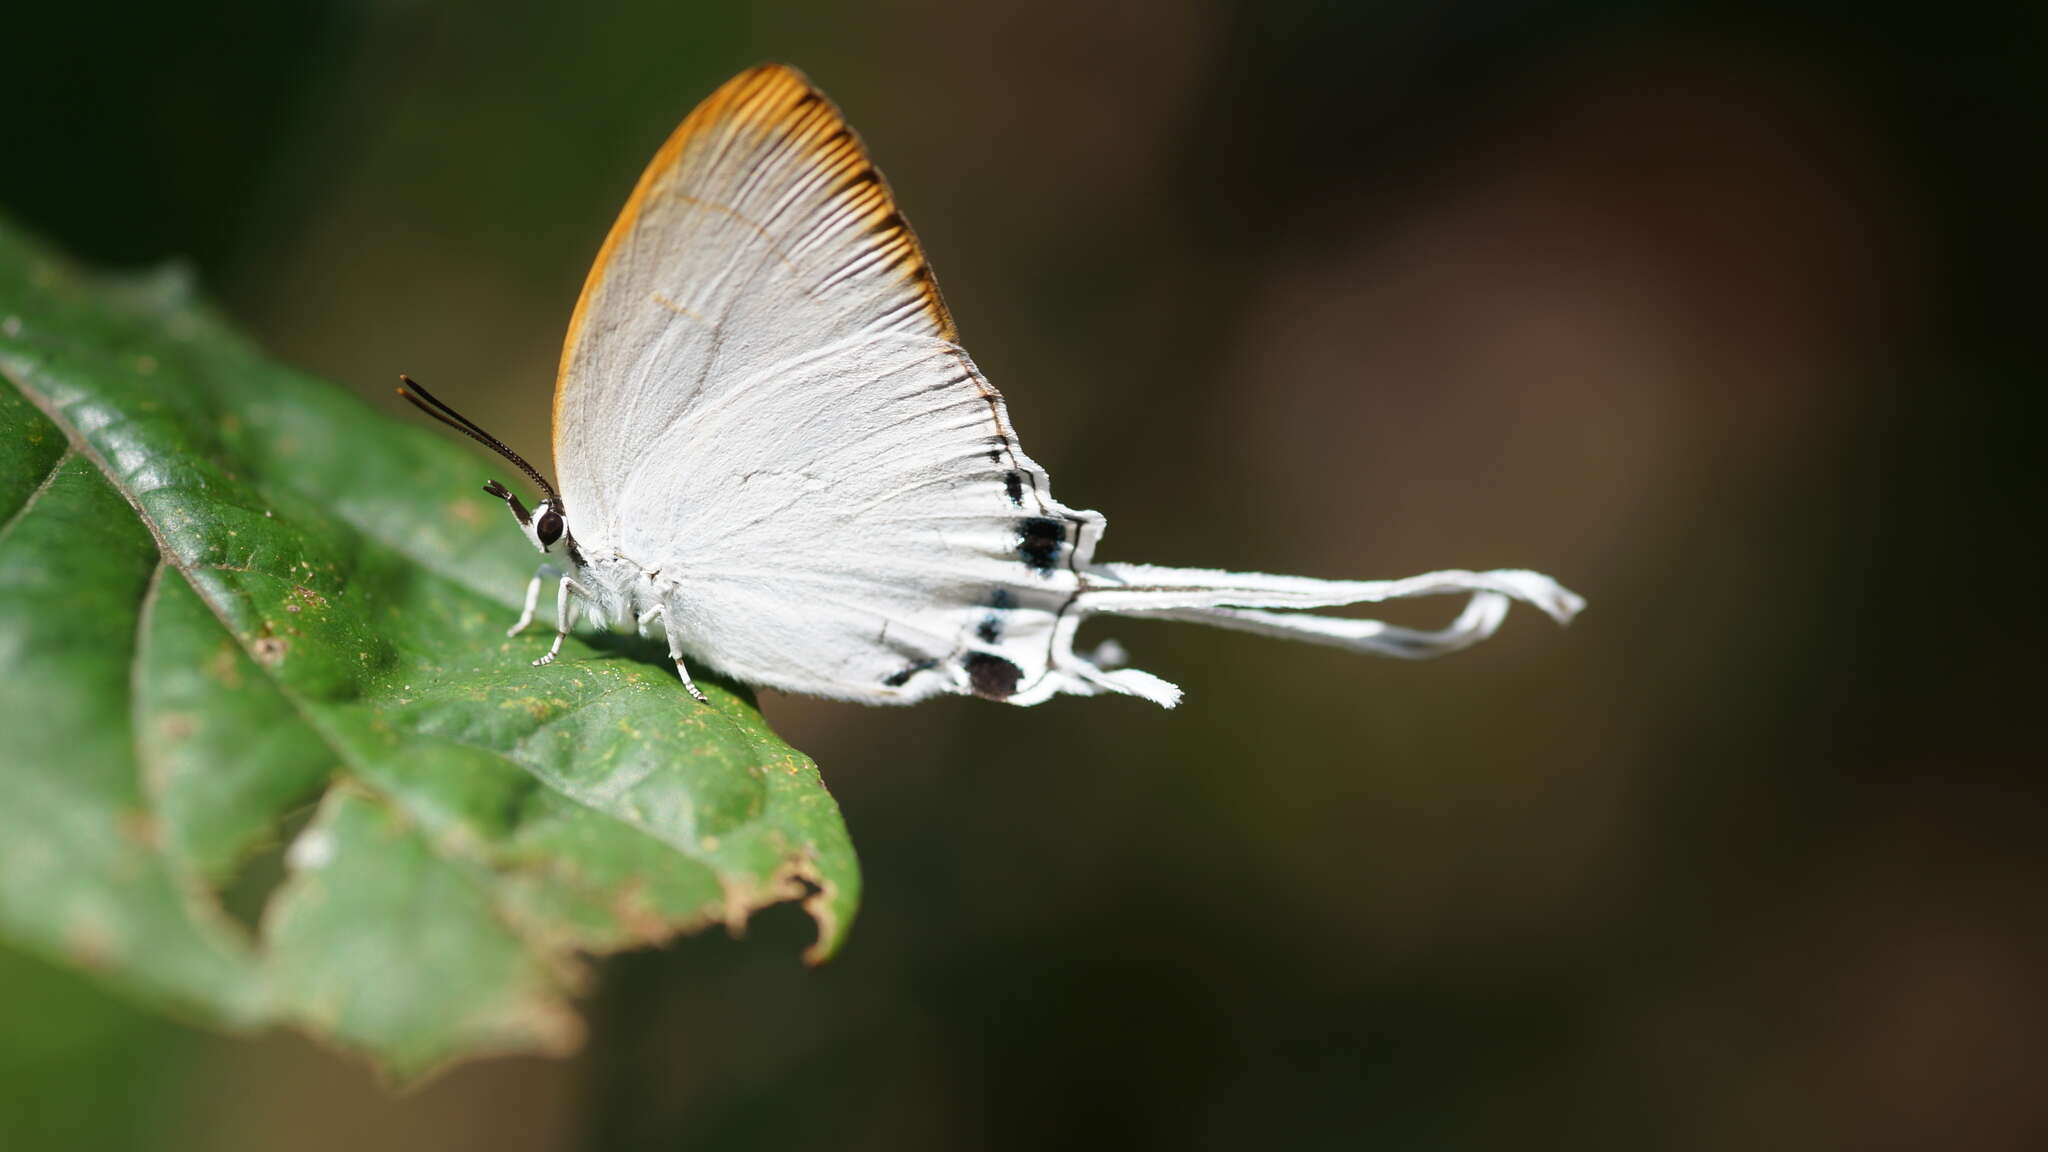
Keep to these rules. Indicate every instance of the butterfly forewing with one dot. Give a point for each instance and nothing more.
(759, 232)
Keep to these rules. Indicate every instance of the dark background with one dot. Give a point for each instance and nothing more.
(1720, 314)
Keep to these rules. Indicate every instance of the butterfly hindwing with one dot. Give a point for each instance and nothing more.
(860, 529)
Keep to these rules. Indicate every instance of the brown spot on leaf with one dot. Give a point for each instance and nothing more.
(225, 665)
(138, 827)
(176, 727)
(89, 941)
(269, 650)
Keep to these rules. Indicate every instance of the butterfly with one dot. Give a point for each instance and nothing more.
(772, 446)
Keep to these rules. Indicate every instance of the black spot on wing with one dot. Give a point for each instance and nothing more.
(991, 628)
(1039, 540)
(899, 679)
(992, 677)
(1013, 485)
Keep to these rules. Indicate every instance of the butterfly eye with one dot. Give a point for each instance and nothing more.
(548, 528)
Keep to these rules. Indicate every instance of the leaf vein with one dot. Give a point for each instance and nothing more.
(42, 486)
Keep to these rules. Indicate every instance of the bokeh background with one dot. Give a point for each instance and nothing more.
(1698, 308)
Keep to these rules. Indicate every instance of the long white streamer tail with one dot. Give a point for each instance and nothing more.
(1245, 601)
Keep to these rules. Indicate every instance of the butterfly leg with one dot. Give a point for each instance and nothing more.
(565, 618)
(541, 576)
(684, 672)
(675, 648)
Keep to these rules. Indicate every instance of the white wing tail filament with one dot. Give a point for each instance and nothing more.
(1245, 601)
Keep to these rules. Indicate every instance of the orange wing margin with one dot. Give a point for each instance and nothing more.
(775, 100)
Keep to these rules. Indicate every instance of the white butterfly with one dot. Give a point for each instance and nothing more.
(771, 443)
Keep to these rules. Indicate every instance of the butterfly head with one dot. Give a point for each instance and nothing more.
(544, 525)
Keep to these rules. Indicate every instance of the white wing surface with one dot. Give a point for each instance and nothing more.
(763, 404)
(758, 233)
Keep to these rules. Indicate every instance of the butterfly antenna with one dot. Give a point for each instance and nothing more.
(427, 402)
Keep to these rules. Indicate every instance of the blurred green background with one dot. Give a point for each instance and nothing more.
(1698, 308)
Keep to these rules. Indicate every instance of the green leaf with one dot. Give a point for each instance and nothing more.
(243, 616)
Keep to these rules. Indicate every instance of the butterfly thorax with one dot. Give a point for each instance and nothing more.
(617, 589)
(611, 588)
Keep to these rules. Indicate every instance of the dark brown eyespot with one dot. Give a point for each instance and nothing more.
(548, 528)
